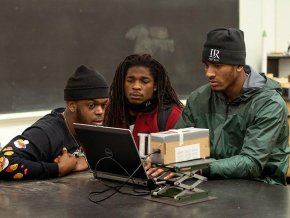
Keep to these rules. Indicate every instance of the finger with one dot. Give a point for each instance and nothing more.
(64, 150)
(158, 172)
(56, 160)
(147, 166)
(70, 155)
(170, 176)
(151, 170)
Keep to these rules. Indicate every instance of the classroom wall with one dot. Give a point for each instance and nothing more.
(271, 16)
(255, 17)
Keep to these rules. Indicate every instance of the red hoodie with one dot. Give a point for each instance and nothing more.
(148, 122)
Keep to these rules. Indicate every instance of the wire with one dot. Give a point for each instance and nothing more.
(117, 189)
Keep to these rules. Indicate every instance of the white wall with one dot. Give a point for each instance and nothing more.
(271, 16)
(13, 124)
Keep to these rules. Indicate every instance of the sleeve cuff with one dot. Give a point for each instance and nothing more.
(206, 172)
(52, 170)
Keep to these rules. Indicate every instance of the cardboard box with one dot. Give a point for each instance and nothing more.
(178, 145)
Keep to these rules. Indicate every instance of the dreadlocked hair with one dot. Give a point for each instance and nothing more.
(116, 112)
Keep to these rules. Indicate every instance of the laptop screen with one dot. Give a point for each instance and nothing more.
(110, 150)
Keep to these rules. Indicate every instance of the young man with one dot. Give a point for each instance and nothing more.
(142, 98)
(244, 112)
(49, 147)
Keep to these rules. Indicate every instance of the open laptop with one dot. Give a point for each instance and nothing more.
(108, 149)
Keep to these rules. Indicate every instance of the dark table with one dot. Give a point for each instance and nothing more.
(68, 197)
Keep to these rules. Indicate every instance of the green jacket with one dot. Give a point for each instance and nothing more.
(249, 136)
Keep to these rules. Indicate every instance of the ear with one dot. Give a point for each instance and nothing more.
(155, 88)
(71, 105)
(240, 68)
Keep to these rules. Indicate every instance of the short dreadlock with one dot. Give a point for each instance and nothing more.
(116, 111)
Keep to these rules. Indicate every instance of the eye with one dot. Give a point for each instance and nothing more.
(103, 105)
(91, 105)
(145, 81)
(129, 80)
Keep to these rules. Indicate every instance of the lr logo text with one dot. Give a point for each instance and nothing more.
(214, 54)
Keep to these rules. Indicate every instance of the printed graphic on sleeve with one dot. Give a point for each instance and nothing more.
(7, 149)
(25, 170)
(20, 143)
(18, 176)
(12, 168)
(4, 162)
(8, 153)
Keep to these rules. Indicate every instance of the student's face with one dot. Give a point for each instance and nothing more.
(139, 84)
(221, 77)
(91, 111)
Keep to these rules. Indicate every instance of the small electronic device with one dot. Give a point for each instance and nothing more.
(111, 153)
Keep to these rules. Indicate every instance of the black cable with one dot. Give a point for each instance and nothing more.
(117, 188)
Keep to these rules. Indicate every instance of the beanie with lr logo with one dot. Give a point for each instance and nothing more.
(225, 46)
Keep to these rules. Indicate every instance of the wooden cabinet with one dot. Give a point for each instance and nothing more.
(273, 63)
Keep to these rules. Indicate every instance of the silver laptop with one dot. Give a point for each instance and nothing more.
(111, 153)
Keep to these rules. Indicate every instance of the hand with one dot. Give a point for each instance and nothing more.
(154, 171)
(147, 164)
(81, 164)
(66, 162)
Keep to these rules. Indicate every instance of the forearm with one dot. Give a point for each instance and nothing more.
(21, 169)
(238, 166)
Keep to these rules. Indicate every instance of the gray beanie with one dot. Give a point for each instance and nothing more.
(225, 46)
(85, 83)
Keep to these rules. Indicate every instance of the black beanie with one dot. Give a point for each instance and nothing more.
(85, 83)
(225, 46)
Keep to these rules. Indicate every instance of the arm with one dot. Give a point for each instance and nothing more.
(37, 154)
(24, 159)
(267, 132)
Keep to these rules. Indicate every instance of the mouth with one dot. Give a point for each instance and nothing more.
(135, 96)
(213, 83)
(97, 122)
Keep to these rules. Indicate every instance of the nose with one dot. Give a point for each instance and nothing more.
(136, 85)
(209, 71)
(99, 110)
